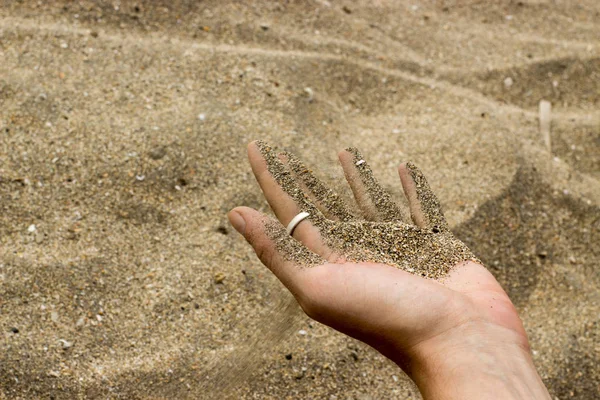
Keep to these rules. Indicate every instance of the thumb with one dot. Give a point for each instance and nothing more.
(276, 249)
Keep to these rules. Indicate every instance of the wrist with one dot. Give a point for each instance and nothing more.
(481, 361)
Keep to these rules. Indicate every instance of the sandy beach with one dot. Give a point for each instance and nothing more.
(123, 132)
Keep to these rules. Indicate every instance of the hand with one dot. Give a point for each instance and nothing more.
(412, 291)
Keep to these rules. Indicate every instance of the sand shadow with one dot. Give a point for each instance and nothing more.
(526, 227)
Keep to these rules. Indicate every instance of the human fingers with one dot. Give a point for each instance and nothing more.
(287, 199)
(278, 251)
(328, 201)
(375, 202)
(425, 208)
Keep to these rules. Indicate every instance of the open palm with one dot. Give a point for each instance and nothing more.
(410, 289)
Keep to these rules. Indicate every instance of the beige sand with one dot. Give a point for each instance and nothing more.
(123, 130)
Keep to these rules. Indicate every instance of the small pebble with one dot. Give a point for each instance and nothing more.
(508, 82)
(219, 277)
(302, 332)
(310, 94)
(222, 229)
(14, 330)
(201, 117)
(31, 228)
(65, 344)
(39, 237)
(158, 153)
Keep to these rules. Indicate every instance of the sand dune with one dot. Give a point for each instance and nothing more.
(123, 129)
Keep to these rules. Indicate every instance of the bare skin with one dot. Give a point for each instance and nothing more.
(459, 337)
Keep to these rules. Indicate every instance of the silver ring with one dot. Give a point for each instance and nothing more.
(295, 221)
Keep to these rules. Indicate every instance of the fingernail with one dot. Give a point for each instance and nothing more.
(237, 221)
